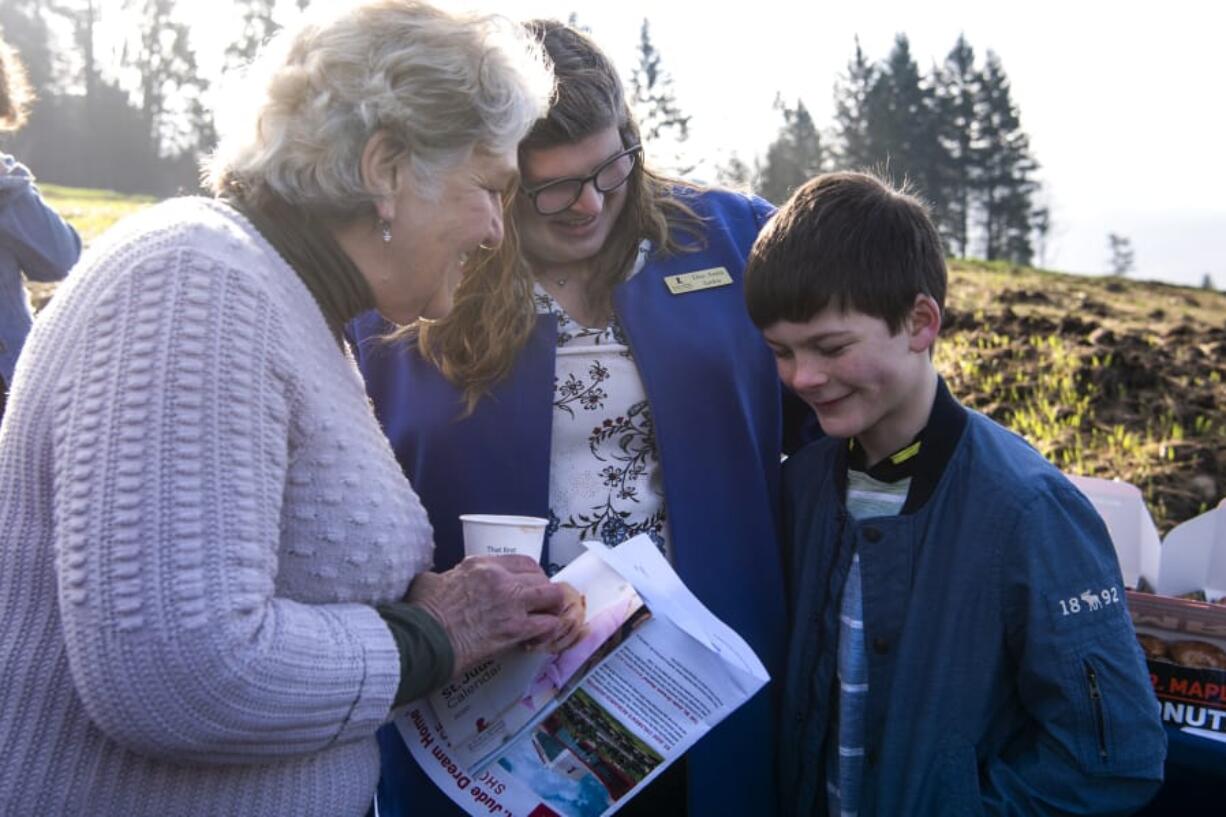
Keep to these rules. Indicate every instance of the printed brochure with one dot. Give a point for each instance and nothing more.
(580, 733)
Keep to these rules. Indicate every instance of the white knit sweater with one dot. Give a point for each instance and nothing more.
(197, 509)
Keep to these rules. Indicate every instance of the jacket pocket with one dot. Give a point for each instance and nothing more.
(1096, 704)
(1116, 714)
(960, 795)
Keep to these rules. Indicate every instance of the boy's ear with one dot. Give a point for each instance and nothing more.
(381, 173)
(923, 323)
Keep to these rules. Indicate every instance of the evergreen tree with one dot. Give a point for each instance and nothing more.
(662, 124)
(1121, 259)
(1207, 282)
(80, 128)
(170, 89)
(851, 93)
(794, 157)
(735, 174)
(903, 127)
(90, 126)
(1003, 180)
(890, 111)
(957, 87)
(1040, 224)
(85, 21)
(257, 26)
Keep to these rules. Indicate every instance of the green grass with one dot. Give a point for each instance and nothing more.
(92, 212)
(1107, 377)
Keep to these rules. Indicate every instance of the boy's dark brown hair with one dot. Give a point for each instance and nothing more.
(847, 240)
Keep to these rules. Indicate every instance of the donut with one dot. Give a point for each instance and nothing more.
(1197, 654)
(1154, 647)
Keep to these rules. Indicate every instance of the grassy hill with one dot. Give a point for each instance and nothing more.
(1107, 377)
(91, 211)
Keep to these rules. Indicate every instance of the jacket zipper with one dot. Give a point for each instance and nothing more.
(1096, 698)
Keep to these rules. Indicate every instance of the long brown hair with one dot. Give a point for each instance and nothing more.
(493, 315)
(15, 93)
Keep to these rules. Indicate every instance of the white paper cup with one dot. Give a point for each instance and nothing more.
(497, 535)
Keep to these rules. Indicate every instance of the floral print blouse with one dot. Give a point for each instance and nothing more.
(604, 476)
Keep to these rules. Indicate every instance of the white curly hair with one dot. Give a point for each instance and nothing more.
(440, 84)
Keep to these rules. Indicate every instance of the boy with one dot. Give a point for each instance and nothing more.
(960, 643)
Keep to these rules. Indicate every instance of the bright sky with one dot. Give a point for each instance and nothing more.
(1123, 105)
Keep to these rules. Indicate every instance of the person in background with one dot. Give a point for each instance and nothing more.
(960, 642)
(205, 540)
(601, 372)
(35, 243)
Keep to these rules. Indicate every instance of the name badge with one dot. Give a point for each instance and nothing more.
(694, 281)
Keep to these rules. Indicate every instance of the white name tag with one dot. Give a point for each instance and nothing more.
(694, 281)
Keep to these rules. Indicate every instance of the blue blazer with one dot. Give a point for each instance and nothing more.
(718, 412)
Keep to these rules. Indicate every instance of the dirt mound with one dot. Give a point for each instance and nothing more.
(1107, 378)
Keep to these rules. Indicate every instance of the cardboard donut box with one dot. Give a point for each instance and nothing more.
(1173, 584)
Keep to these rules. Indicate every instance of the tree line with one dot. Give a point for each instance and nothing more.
(133, 115)
(953, 134)
(127, 112)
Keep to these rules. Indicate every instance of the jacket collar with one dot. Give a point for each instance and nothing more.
(937, 442)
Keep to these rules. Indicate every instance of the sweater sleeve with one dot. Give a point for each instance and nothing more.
(426, 656)
(172, 449)
(44, 244)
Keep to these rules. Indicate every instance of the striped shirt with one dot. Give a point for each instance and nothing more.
(867, 497)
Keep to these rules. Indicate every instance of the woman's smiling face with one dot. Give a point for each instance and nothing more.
(580, 231)
(431, 235)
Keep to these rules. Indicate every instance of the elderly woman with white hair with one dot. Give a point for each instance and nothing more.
(211, 566)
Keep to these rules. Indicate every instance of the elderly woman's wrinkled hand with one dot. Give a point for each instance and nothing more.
(572, 615)
(487, 604)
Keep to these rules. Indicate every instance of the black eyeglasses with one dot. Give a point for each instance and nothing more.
(553, 197)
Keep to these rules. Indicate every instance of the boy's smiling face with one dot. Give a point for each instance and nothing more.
(861, 380)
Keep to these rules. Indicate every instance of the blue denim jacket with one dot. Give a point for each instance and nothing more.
(33, 240)
(1004, 674)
